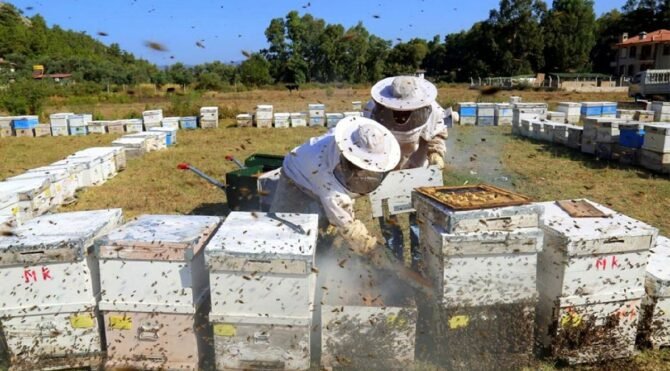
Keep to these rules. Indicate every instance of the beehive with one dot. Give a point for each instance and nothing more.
(572, 111)
(609, 109)
(644, 116)
(353, 114)
(282, 119)
(333, 118)
(42, 130)
(134, 147)
(59, 126)
(114, 158)
(556, 116)
(575, 136)
(537, 130)
(190, 122)
(357, 106)
(155, 312)
(48, 323)
(97, 127)
(255, 253)
(661, 111)
(655, 161)
(79, 170)
(503, 114)
(657, 137)
(116, 127)
(24, 133)
(209, 117)
(263, 116)
(593, 266)
(468, 113)
(485, 114)
(63, 183)
(155, 140)
(5, 127)
(561, 133)
(298, 119)
(134, 125)
(525, 128)
(34, 196)
(170, 134)
(591, 109)
(547, 134)
(631, 134)
(170, 122)
(626, 114)
(244, 120)
(655, 325)
(95, 173)
(317, 114)
(529, 111)
(77, 125)
(152, 118)
(9, 205)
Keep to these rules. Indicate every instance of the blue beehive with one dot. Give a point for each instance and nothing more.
(631, 135)
(593, 109)
(467, 109)
(609, 109)
(190, 122)
(25, 123)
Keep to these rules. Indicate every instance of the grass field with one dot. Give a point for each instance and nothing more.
(152, 184)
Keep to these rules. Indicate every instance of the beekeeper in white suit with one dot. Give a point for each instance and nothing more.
(326, 174)
(406, 106)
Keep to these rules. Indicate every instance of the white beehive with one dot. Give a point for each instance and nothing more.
(661, 111)
(282, 119)
(357, 106)
(574, 136)
(134, 125)
(116, 127)
(333, 118)
(209, 113)
(63, 183)
(468, 113)
(353, 114)
(644, 116)
(133, 147)
(78, 170)
(155, 311)
(105, 155)
(396, 189)
(264, 112)
(561, 133)
(59, 125)
(655, 161)
(317, 114)
(77, 125)
(298, 119)
(572, 111)
(656, 321)
(272, 254)
(529, 111)
(94, 173)
(97, 127)
(170, 134)
(486, 114)
(9, 205)
(70, 186)
(556, 116)
(152, 116)
(244, 120)
(525, 127)
(607, 131)
(537, 129)
(592, 267)
(547, 134)
(49, 289)
(155, 140)
(657, 137)
(262, 289)
(34, 196)
(504, 114)
(625, 114)
(170, 122)
(5, 127)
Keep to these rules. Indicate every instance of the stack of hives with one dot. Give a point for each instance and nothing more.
(262, 278)
(655, 152)
(23, 126)
(572, 111)
(590, 279)
(317, 114)
(529, 111)
(661, 111)
(631, 138)
(468, 113)
(209, 117)
(599, 136)
(49, 289)
(479, 247)
(263, 116)
(152, 119)
(154, 291)
(486, 114)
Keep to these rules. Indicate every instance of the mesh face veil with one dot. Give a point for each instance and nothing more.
(355, 179)
(401, 121)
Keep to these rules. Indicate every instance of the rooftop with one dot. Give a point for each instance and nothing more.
(643, 38)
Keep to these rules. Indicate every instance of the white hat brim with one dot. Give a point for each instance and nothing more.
(377, 162)
(382, 93)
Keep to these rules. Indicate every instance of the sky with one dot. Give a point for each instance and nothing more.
(226, 27)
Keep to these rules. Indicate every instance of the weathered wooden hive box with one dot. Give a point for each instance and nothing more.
(154, 291)
(263, 279)
(591, 281)
(49, 289)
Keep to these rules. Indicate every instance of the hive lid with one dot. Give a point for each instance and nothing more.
(258, 234)
(75, 230)
(25, 188)
(97, 151)
(473, 197)
(614, 225)
(570, 104)
(658, 128)
(185, 230)
(53, 175)
(659, 261)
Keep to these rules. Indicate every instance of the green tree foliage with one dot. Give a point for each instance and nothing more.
(255, 71)
(569, 33)
(25, 97)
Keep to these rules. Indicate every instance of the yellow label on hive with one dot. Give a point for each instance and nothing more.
(395, 320)
(120, 322)
(456, 322)
(571, 319)
(15, 211)
(82, 320)
(224, 329)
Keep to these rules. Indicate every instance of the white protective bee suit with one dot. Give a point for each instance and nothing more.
(314, 178)
(422, 142)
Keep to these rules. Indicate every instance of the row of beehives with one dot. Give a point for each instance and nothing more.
(629, 142)
(70, 124)
(265, 117)
(516, 278)
(498, 114)
(167, 291)
(46, 188)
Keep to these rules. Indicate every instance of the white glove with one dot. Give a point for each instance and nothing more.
(437, 160)
(358, 237)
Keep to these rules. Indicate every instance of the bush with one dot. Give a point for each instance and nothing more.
(183, 105)
(25, 97)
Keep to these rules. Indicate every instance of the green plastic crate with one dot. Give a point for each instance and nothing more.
(268, 162)
(242, 189)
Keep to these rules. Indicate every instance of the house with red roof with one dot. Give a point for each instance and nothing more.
(645, 51)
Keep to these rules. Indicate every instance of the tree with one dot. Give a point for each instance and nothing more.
(179, 74)
(569, 33)
(255, 71)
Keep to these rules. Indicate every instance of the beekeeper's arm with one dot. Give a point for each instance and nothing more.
(339, 209)
(436, 135)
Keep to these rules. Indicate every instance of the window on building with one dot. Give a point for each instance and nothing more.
(623, 52)
(631, 70)
(632, 51)
(666, 49)
(645, 52)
